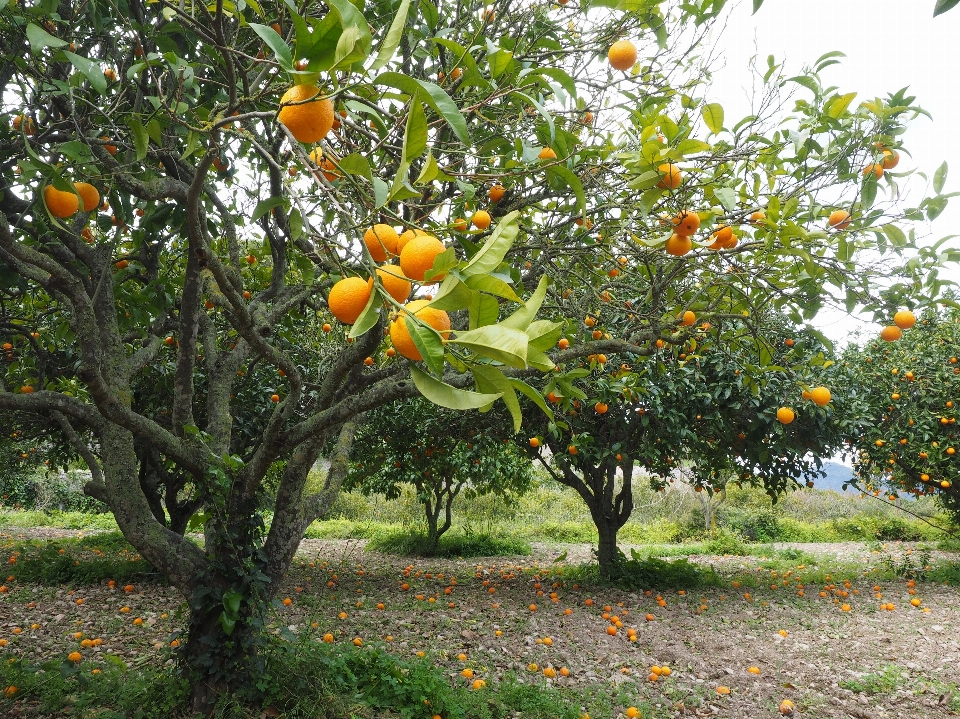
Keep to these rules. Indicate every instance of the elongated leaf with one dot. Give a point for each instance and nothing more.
(453, 295)
(489, 257)
(492, 286)
(264, 206)
(40, 38)
(428, 343)
(491, 379)
(433, 95)
(693, 147)
(839, 104)
(441, 263)
(756, 5)
(357, 31)
(544, 113)
(429, 172)
(940, 176)
(496, 342)
(532, 395)
(356, 164)
(392, 40)
(484, 310)
(90, 70)
(275, 43)
(522, 318)
(943, 5)
(368, 318)
(140, 138)
(539, 360)
(415, 136)
(713, 116)
(727, 197)
(544, 334)
(446, 395)
(895, 235)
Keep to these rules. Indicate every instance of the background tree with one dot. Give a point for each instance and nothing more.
(904, 398)
(438, 452)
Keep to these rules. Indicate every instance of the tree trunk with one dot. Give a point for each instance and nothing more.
(607, 552)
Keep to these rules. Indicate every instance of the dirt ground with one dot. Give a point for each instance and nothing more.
(865, 662)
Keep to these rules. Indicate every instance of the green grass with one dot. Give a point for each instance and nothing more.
(885, 681)
(89, 560)
(60, 520)
(452, 544)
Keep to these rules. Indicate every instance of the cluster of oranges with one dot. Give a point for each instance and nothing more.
(902, 320)
(820, 396)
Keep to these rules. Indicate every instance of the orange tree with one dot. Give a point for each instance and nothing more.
(221, 187)
(706, 413)
(438, 452)
(904, 398)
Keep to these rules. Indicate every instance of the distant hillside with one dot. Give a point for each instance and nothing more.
(837, 474)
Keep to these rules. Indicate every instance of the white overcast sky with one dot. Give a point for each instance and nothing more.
(889, 44)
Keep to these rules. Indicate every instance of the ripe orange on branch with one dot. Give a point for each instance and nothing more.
(381, 240)
(785, 415)
(891, 333)
(400, 334)
(622, 55)
(89, 194)
(839, 219)
(904, 319)
(309, 121)
(820, 396)
(348, 298)
(61, 204)
(686, 223)
(418, 256)
(396, 285)
(671, 177)
(678, 245)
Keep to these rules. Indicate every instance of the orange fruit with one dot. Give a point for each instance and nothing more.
(310, 121)
(687, 318)
(89, 194)
(904, 319)
(400, 335)
(328, 638)
(785, 415)
(753, 670)
(633, 713)
(721, 238)
(722, 690)
(534, 442)
(758, 217)
(110, 148)
(481, 219)
(348, 298)
(418, 255)
(600, 408)
(622, 55)
(381, 240)
(875, 168)
(60, 204)
(820, 396)
(547, 153)
(396, 285)
(74, 656)
(671, 177)
(686, 223)
(678, 245)
(891, 333)
(406, 236)
(496, 192)
(786, 707)
(890, 159)
(563, 343)
(839, 219)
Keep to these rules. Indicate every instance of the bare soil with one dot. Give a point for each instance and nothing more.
(865, 662)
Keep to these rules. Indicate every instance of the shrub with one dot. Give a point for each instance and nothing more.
(454, 544)
(726, 542)
(644, 573)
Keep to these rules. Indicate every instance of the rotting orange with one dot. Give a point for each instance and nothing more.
(311, 119)
(400, 335)
(348, 298)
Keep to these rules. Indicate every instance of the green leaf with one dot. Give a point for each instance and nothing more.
(354, 44)
(227, 623)
(544, 334)
(895, 235)
(453, 295)
(713, 116)
(140, 138)
(693, 147)
(491, 379)
(446, 395)
(489, 257)
(533, 396)
(441, 263)
(940, 176)
(539, 360)
(492, 286)
(356, 164)
(499, 62)
(839, 104)
(496, 342)
(40, 38)
(264, 206)
(522, 318)
(429, 172)
(392, 40)
(727, 197)
(275, 43)
(943, 5)
(368, 318)
(649, 198)
(573, 182)
(484, 310)
(415, 136)
(90, 70)
(756, 5)
(428, 343)
(433, 95)
(381, 191)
